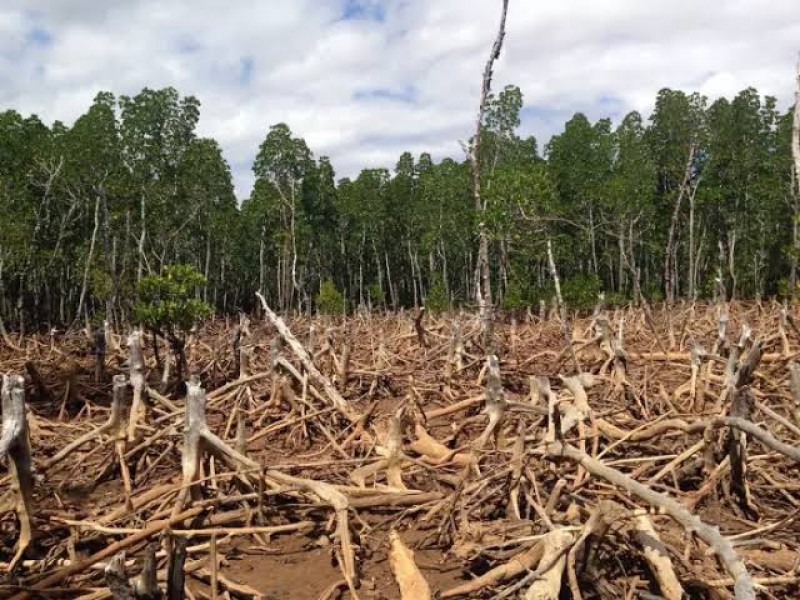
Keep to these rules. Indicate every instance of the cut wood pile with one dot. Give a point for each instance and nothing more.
(655, 456)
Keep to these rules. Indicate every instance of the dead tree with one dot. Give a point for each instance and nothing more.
(483, 283)
(336, 399)
(198, 440)
(496, 404)
(136, 370)
(419, 328)
(15, 442)
(241, 350)
(736, 440)
(796, 180)
(114, 428)
(794, 386)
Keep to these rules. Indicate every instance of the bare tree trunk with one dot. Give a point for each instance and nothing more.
(796, 178)
(206, 270)
(732, 262)
(413, 274)
(89, 258)
(483, 287)
(796, 130)
(395, 299)
(795, 234)
(593, 241)
(691, 248)
(621, 262)
(262, 266)
(140, 267)
(669, 251)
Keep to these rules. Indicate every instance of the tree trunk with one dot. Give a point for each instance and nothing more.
(207, 266)
(140, 266)
(262, 266)
(89, 258)
(796, 179)
(593, 241)
(691, 248)
(621, 261)
(796, 132)
(669, 252)
(483, 288)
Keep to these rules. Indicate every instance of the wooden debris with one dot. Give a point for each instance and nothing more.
(408, 576)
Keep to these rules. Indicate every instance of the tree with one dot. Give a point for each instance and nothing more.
(675, 137)
(483, 286)
(284, 161)
(167, 307)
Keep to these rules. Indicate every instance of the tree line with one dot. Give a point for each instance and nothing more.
(698, 199)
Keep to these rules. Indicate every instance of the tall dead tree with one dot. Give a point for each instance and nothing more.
(483, 283)
(795, 193)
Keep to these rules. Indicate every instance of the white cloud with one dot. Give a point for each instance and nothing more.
(401, 75)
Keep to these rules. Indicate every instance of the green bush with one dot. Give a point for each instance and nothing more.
(166, 306)
(615, 299)
(101, 284)
(375, 294)
(165, 303)
(580, 291)
(653, 293)
(516, 297)
(437, 301)
(330, 300)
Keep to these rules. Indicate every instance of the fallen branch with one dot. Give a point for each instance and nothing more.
(409, 579)
(305, 359)
(743, 586)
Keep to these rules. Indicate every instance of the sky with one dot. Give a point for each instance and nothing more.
(364, 80)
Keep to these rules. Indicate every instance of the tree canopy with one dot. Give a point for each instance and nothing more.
(700, 190)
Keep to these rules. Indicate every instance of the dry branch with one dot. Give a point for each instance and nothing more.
(303, 356)
(554, 556)
(658, 558)
(409, 579)
(743, 586)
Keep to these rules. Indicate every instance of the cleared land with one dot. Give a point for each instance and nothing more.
(388, 457)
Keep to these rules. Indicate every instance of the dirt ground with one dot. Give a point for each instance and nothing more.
(409, 424)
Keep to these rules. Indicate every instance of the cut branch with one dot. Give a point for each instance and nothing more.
(720, 545)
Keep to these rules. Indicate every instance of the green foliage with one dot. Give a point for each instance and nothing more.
(615, 299)
(654, 293)
(605, 195)
(330, 300)
(437, 301)
(516, 296)
(101, 284)
(580, 291)
(375, 294)
(166, 303)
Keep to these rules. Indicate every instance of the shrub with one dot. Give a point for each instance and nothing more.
(330, 300)
(375, 295)
(615, 299)
(516, 297)
(165, 305)
(437, 301)
(580, 291)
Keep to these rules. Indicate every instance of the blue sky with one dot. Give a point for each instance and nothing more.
(364, 80)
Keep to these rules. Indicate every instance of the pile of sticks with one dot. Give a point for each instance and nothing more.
(647, 454)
